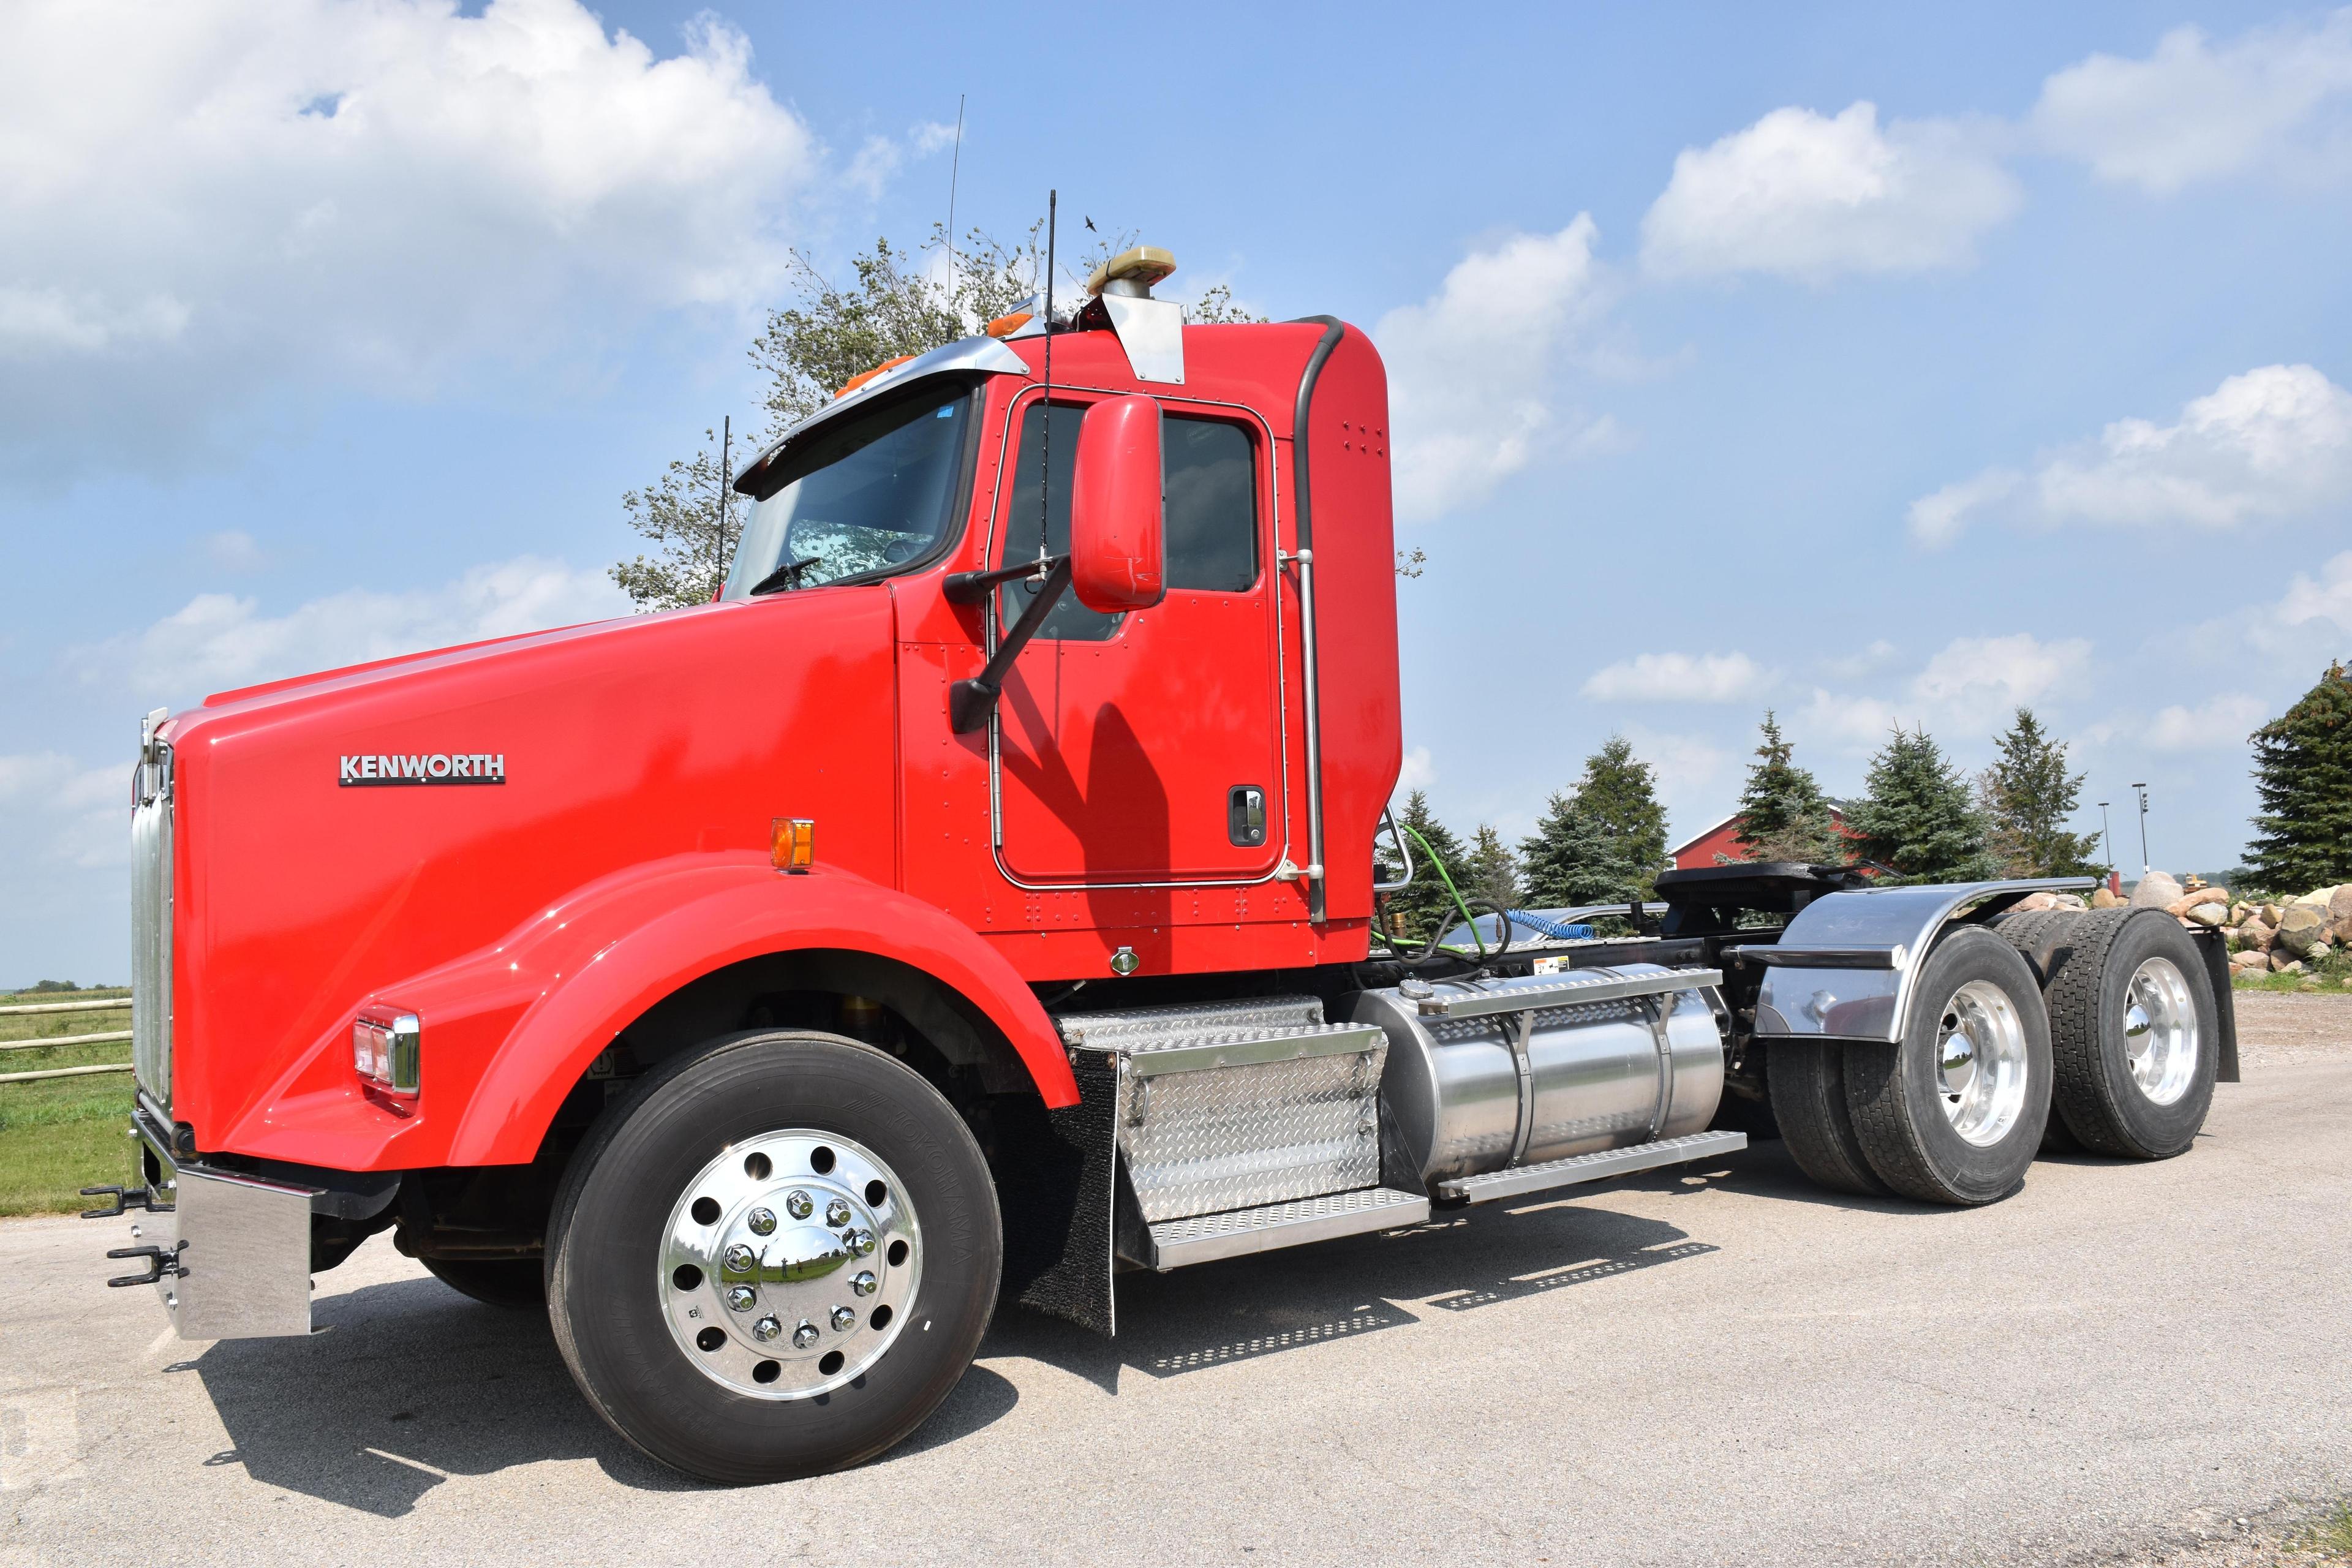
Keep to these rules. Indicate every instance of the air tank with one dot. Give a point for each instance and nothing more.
(1486, 1074)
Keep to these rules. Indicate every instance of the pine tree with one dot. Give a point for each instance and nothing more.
(1490, 871)
(1919, 817)
(2026, 797)
(1618, 792)
(1783, 814)
(2302, 774)
(1415, 913)
(1571, 858)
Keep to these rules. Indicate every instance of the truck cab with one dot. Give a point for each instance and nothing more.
(975, 900)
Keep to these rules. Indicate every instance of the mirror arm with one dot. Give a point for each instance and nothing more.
(969, 702)
(971, 587)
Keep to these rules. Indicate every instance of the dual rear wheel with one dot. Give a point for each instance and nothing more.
(2101, 1023)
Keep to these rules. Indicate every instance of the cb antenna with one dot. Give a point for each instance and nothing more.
(955, 167)
(718, 550)
(1045, 425)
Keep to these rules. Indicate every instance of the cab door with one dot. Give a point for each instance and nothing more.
(1147, 748)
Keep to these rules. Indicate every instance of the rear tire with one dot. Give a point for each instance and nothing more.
(2145, 1095)
(516, 1283)
(1954, 1113)
(861, 1146)
(1807, 1081)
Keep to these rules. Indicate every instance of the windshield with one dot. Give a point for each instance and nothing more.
(874, 496)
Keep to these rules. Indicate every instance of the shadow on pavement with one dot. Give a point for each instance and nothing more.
(410, 1383)
(1220, 1313)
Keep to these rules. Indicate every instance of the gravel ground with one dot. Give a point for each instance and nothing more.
(1712, 1365)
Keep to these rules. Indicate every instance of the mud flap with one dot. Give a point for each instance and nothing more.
(1058, 1254)
(2216, 949)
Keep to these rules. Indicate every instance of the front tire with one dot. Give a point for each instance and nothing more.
(1954, 1114)
(774, 1258)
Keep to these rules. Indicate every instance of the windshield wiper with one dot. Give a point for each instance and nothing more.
(788, 575)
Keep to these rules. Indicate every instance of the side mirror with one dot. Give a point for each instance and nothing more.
(1117, 556)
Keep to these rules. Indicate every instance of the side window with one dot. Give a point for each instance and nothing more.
(1209, 480)
(1070, 621)
(1212, 505)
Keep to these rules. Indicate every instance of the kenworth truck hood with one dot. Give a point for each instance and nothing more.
(337, 834)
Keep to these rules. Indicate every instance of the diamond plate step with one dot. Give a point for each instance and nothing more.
(1238, 1232)
(1522, 1179)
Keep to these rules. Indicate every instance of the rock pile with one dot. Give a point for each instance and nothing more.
(2292, 936)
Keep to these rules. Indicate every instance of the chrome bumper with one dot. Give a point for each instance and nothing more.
(229, 1254)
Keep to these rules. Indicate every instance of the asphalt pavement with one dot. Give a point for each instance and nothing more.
(1710, 1365)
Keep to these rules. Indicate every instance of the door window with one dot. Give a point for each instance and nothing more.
(1211, 533)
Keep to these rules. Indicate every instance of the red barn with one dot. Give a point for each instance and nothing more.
(1721, 843)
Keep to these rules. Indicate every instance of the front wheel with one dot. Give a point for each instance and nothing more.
(774, 1258)
(1954, 1113)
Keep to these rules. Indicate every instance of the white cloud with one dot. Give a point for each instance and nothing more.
(71, 813)
(1693, 775)
(2271, 443)
(2309, 624)
(2325, 598)
(216, 640)
(199, 200)
(2222, 722)
(2275, 98)
(1418, 772)
(1679, 678)
(1869, 660)
(1966, 690)
(233, 550)
(1937, 519)
(1808, 196)
(1975, 682)
(1472, 368)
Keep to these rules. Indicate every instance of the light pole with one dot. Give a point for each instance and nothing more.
(2144, 867)
(2106, 843)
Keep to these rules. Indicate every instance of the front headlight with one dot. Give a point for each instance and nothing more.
(386, 1050)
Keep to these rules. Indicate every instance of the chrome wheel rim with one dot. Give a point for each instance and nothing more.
(1980, 1064)
(2160, 1031)
(789, 1265)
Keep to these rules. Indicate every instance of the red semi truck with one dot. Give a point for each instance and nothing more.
(978, 899)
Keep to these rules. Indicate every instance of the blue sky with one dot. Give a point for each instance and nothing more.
(1868, 364)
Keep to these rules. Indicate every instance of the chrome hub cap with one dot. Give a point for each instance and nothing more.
(1980, 1063)
(2160, 1031)
(789, 1264)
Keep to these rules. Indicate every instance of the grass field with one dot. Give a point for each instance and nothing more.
(59, 1135)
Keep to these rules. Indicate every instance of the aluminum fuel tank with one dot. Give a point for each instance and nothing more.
(1601, 1071)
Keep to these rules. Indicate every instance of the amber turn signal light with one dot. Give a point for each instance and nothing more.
(792, 843)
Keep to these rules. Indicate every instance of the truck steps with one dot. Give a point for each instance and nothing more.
(1204, 1238)
(1520, 1180)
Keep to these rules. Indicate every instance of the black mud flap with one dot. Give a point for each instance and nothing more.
(2216, 949)
(1059, 1205)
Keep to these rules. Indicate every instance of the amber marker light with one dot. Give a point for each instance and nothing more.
(1006, 325)
(792, 843)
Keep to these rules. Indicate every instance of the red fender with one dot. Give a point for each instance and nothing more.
(509, 1030)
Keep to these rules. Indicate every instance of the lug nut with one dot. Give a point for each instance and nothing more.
(837, 1213)
(860, 1242)
(842, 1318)
(804, 1336)
(766, 1329)
(762, 1221)
(741, 1298)
(864, 1284)
(797, 1204)
(739, 1260)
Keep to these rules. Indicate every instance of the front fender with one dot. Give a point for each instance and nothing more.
(509, 1030)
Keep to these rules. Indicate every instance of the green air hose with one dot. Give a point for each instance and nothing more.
(1446, 877)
